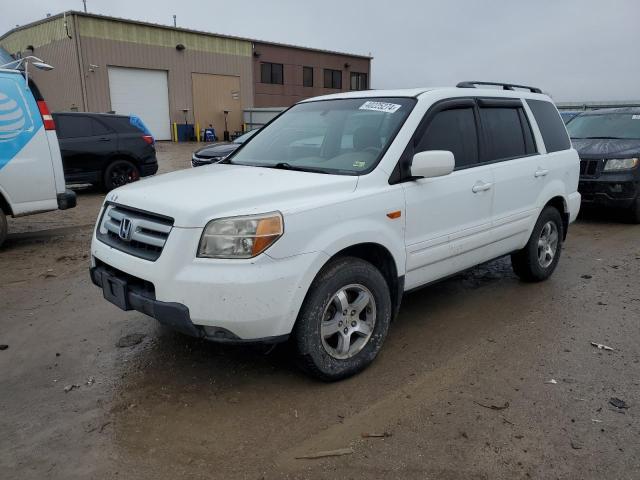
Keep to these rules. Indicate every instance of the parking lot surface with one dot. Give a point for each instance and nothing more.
(482, 376)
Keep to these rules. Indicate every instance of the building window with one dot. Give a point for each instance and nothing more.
(332, 78)
(358, 81)
(307, 76)
(271, 73)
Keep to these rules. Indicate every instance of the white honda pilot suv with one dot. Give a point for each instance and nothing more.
(314, 228)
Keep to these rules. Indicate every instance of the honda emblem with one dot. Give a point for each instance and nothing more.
(126, 227)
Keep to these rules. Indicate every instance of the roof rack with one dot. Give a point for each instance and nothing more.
(505, 86)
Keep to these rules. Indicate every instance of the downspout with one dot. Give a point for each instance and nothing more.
(83, 84)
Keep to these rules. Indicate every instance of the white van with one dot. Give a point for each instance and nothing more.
(315, 227)
(31, 175)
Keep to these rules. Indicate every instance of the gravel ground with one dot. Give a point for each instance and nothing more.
(481, 377)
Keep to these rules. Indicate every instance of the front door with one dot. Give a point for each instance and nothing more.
(448, 219)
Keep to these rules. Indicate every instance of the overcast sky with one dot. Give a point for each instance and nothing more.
(573, 49)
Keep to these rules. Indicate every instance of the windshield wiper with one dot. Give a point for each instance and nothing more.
(600, 138)
(288, 166)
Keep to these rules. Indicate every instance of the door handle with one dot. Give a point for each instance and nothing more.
(481, 187)
(541, 172)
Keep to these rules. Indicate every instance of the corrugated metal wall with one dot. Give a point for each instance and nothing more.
(60, 87)
(179, 65)
(37, 35)
(162, 37)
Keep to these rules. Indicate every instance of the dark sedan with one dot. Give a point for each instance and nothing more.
(608, 142)
(217, 152)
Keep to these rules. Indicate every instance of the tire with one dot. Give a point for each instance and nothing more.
(4, 229)
(119, 173)
(537, 261)
(321, 353)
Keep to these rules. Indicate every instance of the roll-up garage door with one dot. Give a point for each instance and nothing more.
(144, 93)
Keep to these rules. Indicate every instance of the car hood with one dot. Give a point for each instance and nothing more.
(217, 150)
(195, 196)
(606, 148)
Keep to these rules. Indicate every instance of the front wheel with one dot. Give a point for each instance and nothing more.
(119, 173)
(3, 227)
(539, 258)
(344, 320)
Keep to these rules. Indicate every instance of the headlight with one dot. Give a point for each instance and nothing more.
(240, 237)
(616, 165)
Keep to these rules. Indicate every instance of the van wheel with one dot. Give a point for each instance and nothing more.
(3, 227)
(539, 258)
(120, 173)
(344, 320)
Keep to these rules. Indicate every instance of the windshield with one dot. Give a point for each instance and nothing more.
(345, 136)
(610, 125)
(246, 136)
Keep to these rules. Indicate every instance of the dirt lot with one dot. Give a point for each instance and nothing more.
(482, 376)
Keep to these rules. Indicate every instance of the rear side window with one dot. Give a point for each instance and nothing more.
(551, 125)
(508, 133)
(122, 124)
(77, 126)
(97, 128)
(72, 126)
(453, 130)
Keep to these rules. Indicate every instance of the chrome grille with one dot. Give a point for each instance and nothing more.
(137, 233)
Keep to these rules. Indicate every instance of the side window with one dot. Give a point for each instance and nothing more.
(453, 130)
(97, 128)
(551, 125)
(507, 135)
(73, 126)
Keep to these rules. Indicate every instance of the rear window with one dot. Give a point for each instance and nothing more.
(76, 126)
(508, 133)
(551, 125)
(122, 124)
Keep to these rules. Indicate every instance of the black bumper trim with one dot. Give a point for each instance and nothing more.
(173, 315)
(67, 200)
(148, 169)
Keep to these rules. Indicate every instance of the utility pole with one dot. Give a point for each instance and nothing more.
(174, 21)
(85, 5)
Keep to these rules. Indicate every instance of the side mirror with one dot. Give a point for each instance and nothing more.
(432, 163)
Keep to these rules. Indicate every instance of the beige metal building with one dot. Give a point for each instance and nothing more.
(166, 74)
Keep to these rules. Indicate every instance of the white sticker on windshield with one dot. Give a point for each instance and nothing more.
(635, 117)
(380, 107)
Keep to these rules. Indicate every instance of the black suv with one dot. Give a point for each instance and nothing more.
(104, 149)
(608, 142)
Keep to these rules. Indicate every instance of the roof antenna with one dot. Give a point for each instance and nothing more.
(85, 5)
(174, 20)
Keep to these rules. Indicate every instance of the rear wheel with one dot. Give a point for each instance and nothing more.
(119, 173)
(539, 258)
(344, 320)
(3, 227)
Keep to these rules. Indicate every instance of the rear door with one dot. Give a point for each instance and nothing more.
(87, 145)
(520, 172)
(448, 219)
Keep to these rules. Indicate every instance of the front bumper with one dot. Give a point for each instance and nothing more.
(148, 169)
(615, 190)
(250, 300)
